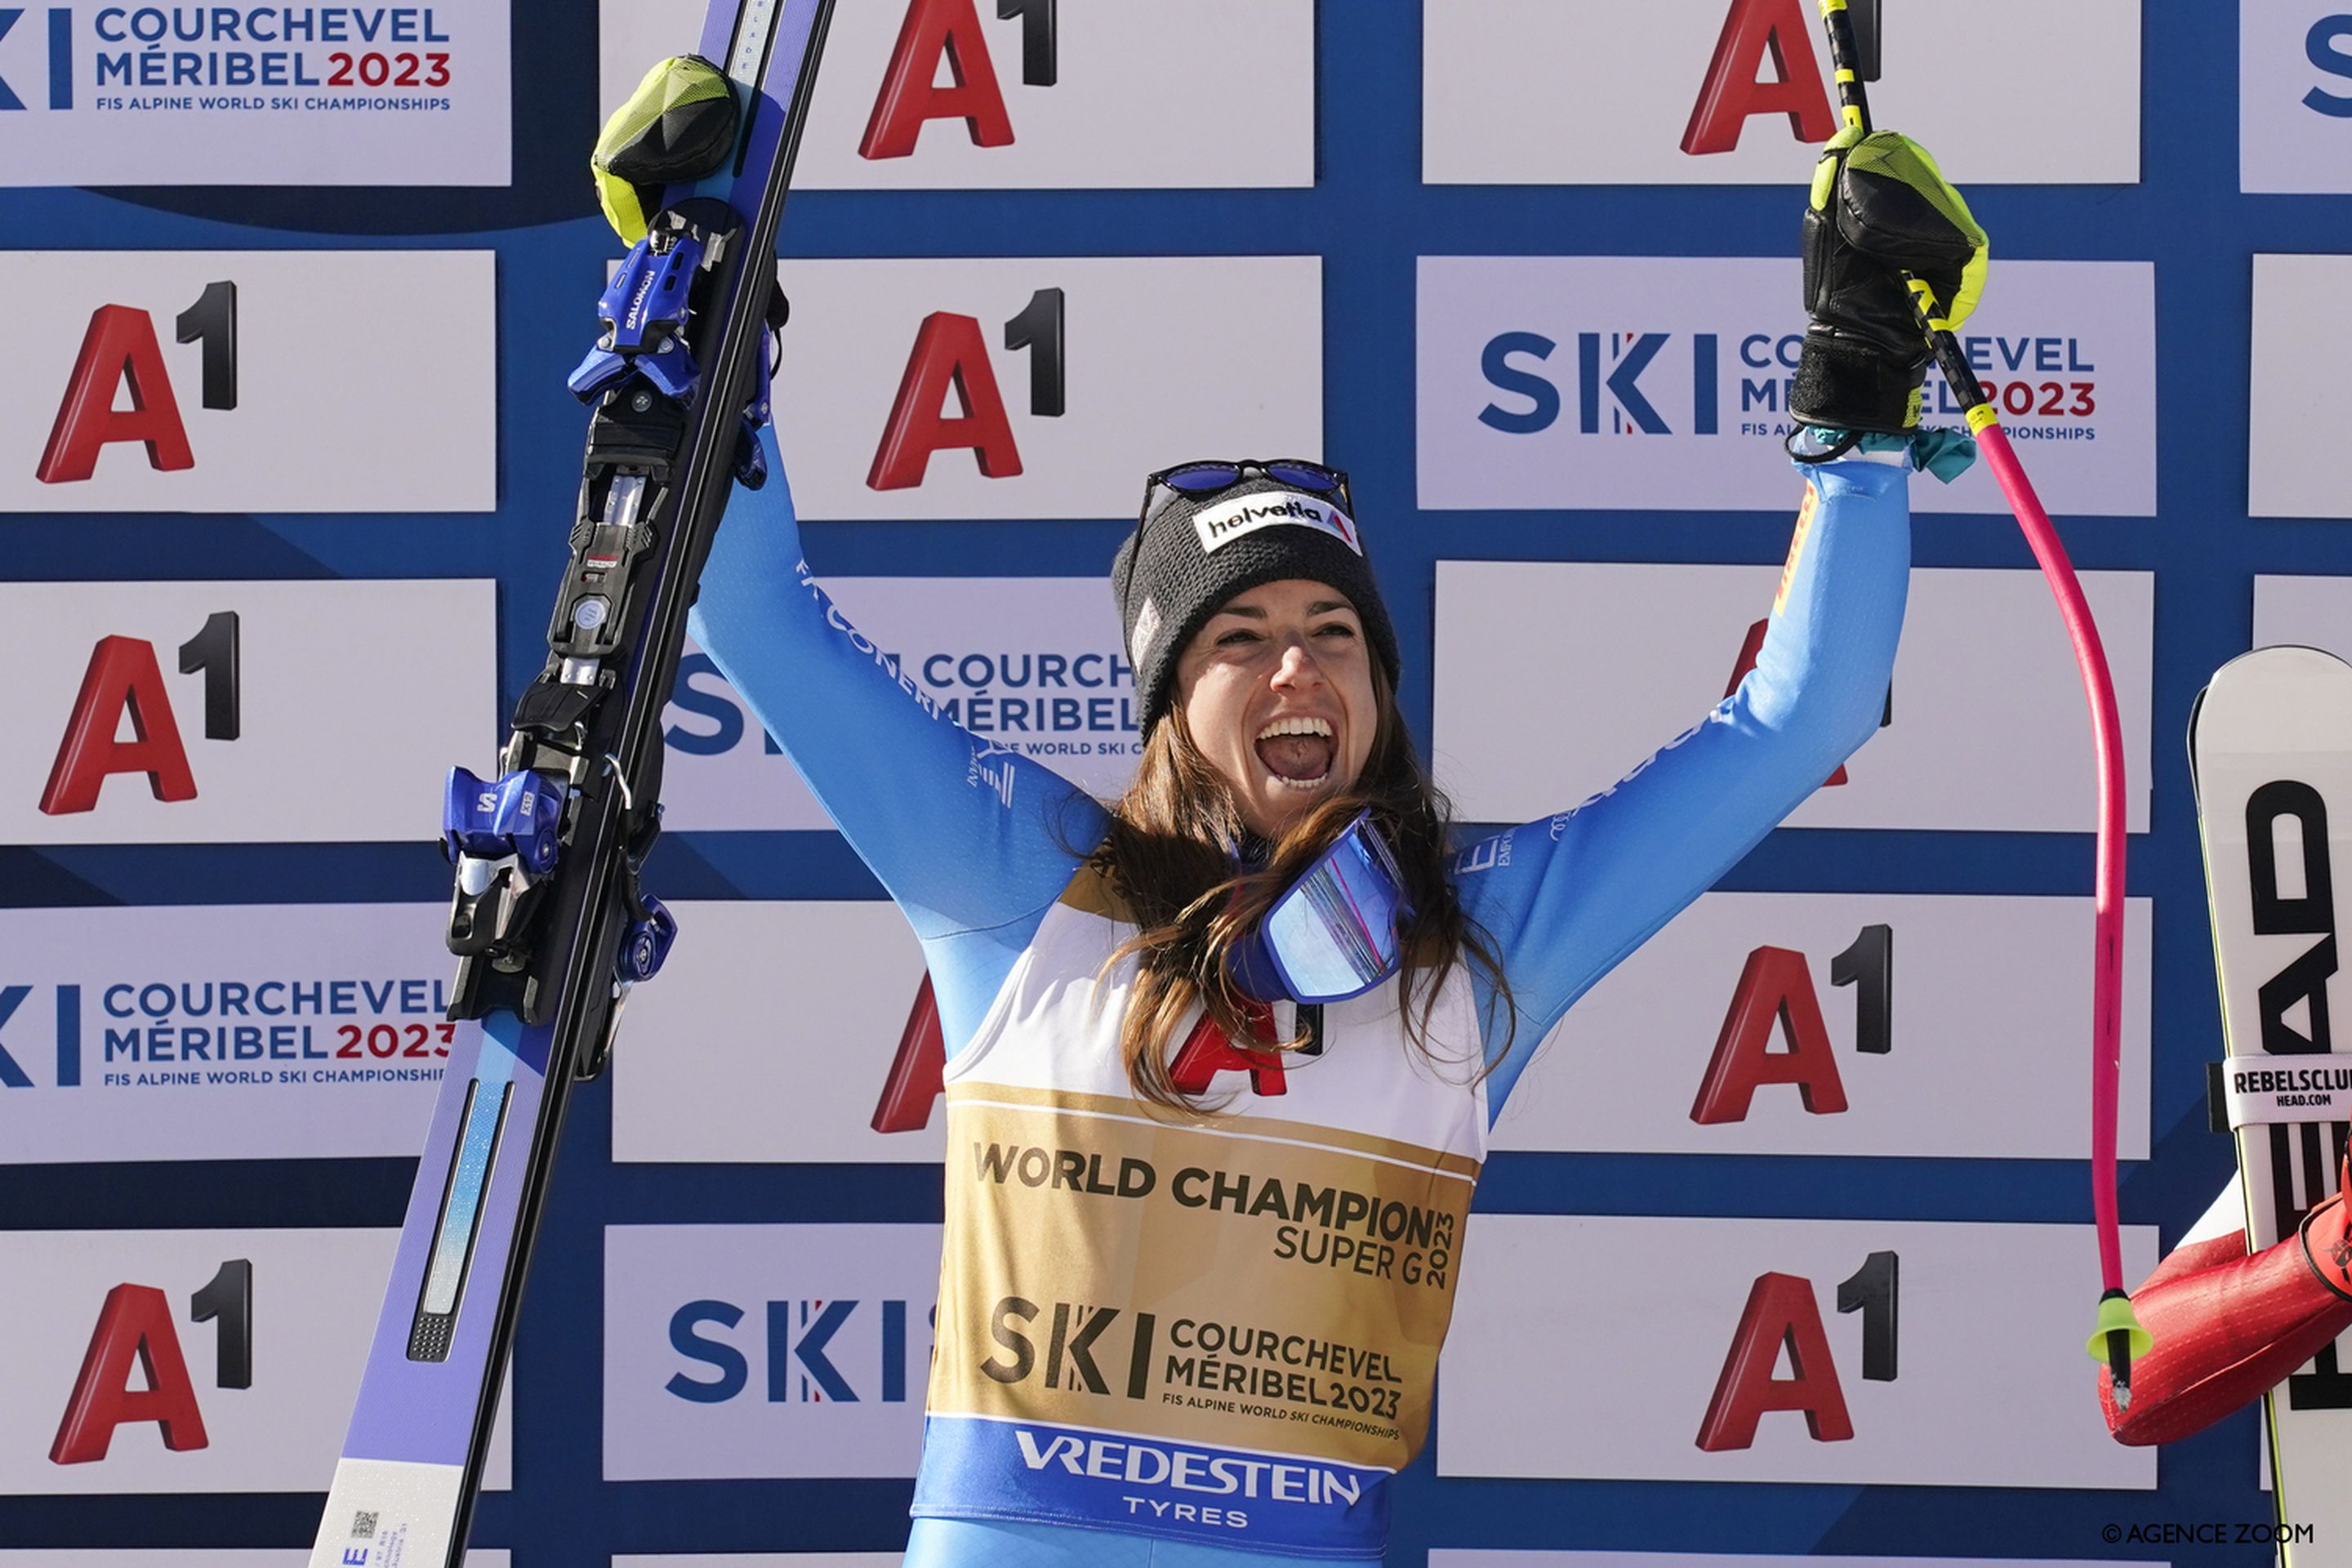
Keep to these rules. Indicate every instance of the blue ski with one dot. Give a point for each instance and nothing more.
(547, 920)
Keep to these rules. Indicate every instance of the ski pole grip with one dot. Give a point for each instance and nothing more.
(1845, 63)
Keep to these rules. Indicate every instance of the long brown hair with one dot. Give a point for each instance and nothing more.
(1166, 856)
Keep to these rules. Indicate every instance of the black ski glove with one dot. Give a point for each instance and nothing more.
(1880, 207)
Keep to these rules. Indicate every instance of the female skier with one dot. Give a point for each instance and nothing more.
(1205, 1190)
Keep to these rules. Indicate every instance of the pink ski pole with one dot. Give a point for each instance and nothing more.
(2118, 1336)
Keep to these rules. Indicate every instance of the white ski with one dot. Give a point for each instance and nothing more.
(2270, 745)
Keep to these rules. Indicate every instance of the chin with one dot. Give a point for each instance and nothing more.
(1280, 807)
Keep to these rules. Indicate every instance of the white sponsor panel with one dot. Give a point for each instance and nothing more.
(1662, 383)
(98, 93)
(2294, 97)
(804, 1048)
(1679, 1369)
(1210, 93)
(1587, 92)
(1126, 364)
(1990, 731)
(735, 1352)
(2296, 409)
(1922, 1025)
(2315, 612)
(1446, 1557)
(298, 1031)
(1031, 663)
(252, 1341)
(241, 713)
(251, 380)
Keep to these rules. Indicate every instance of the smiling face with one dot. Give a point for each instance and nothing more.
(1276, 691)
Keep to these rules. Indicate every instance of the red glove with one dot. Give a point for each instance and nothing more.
(2229, 1328)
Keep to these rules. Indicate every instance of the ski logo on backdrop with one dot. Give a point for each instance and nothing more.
(949, 358)
(121, 361)
(2328, 47)
(1227, 520)
(135, 1329)
(1048, 704)
(147, 58)
(1631, 410)
(818, 1352)
(96, 92)
(60, 52)
(162, 1034)
(948, 33)
(2048, 377)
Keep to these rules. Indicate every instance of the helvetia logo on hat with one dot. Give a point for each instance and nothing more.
(1221, 524)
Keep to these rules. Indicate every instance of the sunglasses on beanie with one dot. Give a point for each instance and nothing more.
(1206, 479)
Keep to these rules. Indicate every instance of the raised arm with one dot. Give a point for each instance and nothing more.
(1584, 889)
(974, 841)
(1588, 886)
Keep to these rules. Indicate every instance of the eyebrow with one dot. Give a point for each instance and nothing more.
(1319, 607)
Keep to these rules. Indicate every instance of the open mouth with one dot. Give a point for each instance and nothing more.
(1297, 752)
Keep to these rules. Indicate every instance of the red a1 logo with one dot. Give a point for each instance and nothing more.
(950, 359)
(917, 1072)
(134, 1326)
(1776, 996)
(1782, 1317)
(947, 33)
(1732, 93)
(125, 684)
(120, 358)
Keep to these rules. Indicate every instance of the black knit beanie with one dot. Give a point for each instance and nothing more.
(1185, 560)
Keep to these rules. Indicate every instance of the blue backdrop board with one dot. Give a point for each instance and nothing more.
(1526, 268)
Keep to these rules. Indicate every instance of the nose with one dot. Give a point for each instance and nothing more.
(1299, 666)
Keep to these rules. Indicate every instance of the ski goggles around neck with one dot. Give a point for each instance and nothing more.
(1195, 480)
(1337, 931)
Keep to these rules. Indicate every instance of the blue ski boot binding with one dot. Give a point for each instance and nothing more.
(643, 312)
(502, 838)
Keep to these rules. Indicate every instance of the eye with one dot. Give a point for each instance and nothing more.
(1336, 629)
(1238, 636)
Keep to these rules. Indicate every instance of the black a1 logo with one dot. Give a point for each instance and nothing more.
(1775, 995)
(123, 685)
(1783, 1318)
(135, 1329)
(121, 361)
(945, 36)
(951, 360)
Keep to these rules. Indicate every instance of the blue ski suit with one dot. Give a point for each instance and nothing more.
(984, 867)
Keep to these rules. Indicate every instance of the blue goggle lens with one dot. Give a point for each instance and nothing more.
(1335, 934)
(1199, 476)
(1305, 476)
